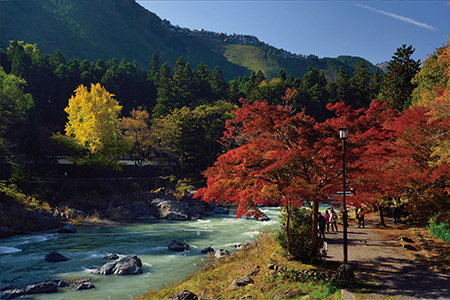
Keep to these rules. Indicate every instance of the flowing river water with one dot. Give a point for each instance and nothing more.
(22, 257)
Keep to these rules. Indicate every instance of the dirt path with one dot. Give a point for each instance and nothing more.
(378, 257)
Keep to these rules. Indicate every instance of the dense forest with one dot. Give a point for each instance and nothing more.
(166, 94)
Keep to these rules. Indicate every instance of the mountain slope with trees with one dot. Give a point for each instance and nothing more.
(95, 30)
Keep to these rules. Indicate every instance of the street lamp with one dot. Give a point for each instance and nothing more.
(343, 135)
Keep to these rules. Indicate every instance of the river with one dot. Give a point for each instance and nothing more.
(22, 257)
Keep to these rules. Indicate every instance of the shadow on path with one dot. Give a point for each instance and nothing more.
(397, 271)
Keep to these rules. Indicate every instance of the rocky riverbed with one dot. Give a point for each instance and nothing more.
(121, 208)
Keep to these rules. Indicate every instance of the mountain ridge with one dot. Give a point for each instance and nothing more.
(124, 29)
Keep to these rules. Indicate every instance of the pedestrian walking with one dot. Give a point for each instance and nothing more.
(333, 220)
(396, 215)
(322, 223)
(360, 216)
(326, 215)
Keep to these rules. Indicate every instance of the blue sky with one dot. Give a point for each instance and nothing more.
(369, 29)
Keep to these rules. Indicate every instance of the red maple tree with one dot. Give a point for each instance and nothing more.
(417, 173)
(291, 160)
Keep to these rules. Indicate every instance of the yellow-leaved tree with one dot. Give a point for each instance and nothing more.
(93, 131)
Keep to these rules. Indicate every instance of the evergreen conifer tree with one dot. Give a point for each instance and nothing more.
(397, 86)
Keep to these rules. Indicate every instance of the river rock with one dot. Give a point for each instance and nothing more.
(129, 265)
(209, 267)
(75, 213)
(12, 293)
(287, 294)
(263, 218)
(254, 271)
(111, 256)
(69, 228)
(41, 288)
(58, 214)
(44, 218)
(237, 246)
(173, 210)
(30, 289)
(142, 211)
(221, 253)
(184, 295)
(221, 210)
(208, 250)
(240, 282)
(5, 287)
(60, 282)
(85, 286)
(177, 246)
(55, 257)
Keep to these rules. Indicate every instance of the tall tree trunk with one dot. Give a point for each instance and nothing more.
(288, 231)
(314, 222)
(380, 214)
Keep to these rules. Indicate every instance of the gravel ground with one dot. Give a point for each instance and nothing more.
(376, 255)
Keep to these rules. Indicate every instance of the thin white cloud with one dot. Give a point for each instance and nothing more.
(404, 19)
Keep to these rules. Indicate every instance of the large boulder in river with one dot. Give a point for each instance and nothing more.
(129, 265)
(221, 210)
(177, 246)
(263, 218)
(30, 289)
(221, 253)
(86, 286)
(55, 257)
(111, 256)
(69, 228)
(208, 250)
(173, 210)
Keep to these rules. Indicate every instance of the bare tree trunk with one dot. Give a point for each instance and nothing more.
(380, 215)
(314, 222)
(288, 231)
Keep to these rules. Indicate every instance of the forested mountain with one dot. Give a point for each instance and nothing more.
(96, 29)
(179, 85)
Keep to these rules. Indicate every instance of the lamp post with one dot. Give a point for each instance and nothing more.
(343, 134)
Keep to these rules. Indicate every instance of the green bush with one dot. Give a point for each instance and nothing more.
(18, 174)
(300, 233)
(440, 230)
(134, 187)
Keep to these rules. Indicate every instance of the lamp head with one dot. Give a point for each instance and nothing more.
(343, 133)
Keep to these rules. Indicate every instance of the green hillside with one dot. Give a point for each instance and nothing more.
(97, 29)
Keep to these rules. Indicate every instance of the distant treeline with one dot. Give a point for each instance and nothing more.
(51, 80)
(240, 39)
(196, 102)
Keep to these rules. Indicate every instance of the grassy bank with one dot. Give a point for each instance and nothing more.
(21, 213)
(213, 281)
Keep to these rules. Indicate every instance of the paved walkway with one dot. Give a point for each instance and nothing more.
(400, 274)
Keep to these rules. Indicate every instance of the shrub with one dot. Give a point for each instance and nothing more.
(134, 187)
(300, 233)
(440, 230)
(18, 174)
(182, 187)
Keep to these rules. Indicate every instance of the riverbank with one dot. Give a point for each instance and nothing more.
(256, 272)
(95, 202)
(390, 262)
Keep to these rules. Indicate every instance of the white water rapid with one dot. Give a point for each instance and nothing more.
(22, 257)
